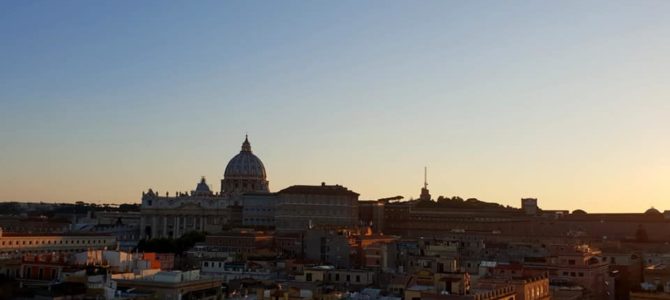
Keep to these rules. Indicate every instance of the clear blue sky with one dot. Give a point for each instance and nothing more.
(565, 101)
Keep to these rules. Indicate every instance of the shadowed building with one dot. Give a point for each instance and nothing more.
(301, 207)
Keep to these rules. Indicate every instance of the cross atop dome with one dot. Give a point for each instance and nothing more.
(246, 146)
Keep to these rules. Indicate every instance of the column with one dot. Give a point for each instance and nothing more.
(142, 225)
(202, 223)
(165, 231)
(176, 228)
(154, 230)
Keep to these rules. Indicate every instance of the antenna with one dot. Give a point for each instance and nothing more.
(425, 177)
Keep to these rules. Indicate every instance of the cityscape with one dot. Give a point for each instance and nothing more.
(330, 134)
(323, 242)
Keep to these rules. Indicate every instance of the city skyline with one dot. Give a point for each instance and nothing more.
(564, 102)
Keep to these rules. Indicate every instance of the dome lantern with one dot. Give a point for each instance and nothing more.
(246, 146)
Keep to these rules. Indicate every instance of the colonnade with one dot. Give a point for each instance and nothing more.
(170, 225)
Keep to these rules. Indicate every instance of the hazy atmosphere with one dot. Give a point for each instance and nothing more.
(564, 101)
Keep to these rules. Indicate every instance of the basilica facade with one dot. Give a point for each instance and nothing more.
(170, 216)
(245, 200)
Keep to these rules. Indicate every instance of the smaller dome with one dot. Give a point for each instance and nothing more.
(652, 211)
(202, 188)
(578, 212)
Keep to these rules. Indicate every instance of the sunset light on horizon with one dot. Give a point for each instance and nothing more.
(566, 102)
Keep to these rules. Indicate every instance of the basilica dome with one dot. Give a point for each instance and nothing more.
(244, 173)
(245, 164)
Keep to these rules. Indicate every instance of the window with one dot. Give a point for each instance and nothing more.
(308, 276)
(358, 278)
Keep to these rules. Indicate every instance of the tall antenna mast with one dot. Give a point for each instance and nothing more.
(425, 177)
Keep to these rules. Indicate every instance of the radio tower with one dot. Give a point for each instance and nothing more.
(425, 195)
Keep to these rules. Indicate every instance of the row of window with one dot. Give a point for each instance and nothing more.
(244, 185)
(169, 221)
(213, 264)
(38, 251)
(259, 209)
(311, 201)
(324, 212)
(259, 220)
(336, 277)
(51, 242)
(573, 274)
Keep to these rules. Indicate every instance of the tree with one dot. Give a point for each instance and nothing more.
(176, 246)
(641, 234)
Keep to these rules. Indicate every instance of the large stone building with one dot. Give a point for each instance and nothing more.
(301, 207)
(245, 200)
(14, 245)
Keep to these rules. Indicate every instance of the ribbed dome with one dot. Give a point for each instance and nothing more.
(245, 165)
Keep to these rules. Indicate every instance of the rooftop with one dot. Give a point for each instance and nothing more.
(322, 189)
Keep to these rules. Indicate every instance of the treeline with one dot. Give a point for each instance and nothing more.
(470, 203)
(176, 246)
(51, 209)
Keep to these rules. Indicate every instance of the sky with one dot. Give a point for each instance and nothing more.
(564, 101)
